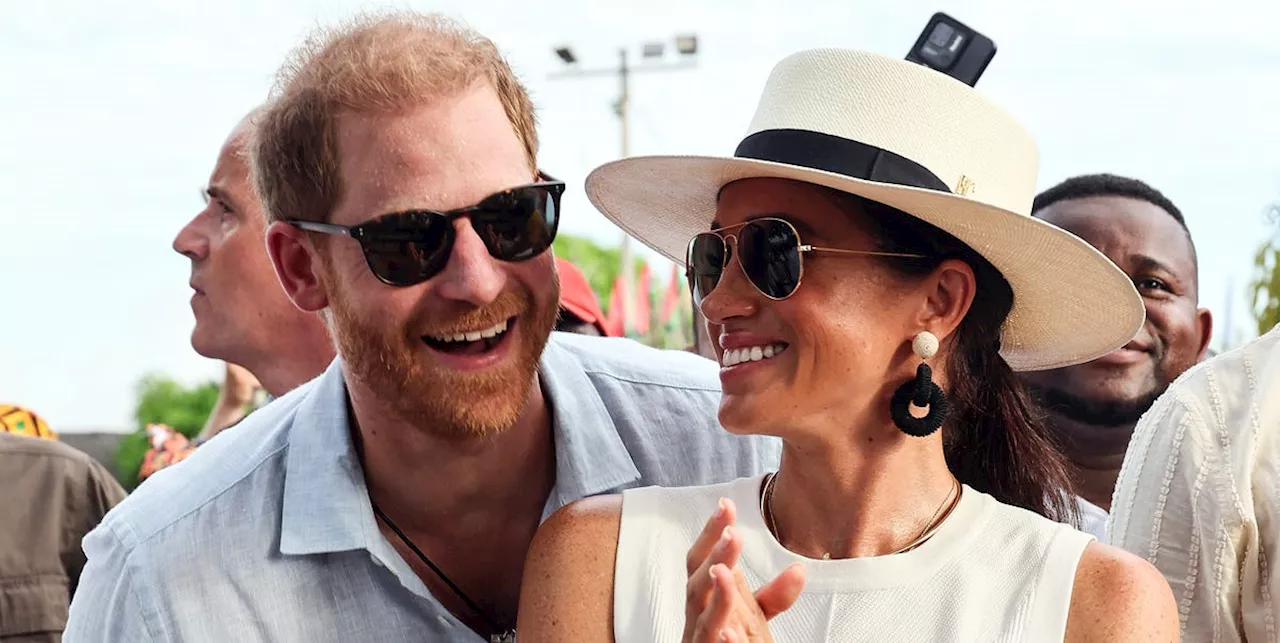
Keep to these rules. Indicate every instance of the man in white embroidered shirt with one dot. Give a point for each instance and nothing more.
(1199, 494)
(394, 497)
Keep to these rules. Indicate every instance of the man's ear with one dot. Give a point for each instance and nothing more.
(298, 266)
(1204, 323)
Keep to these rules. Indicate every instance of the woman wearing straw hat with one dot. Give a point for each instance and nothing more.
(870, 274)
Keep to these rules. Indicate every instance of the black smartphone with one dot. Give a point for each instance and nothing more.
(951, 47)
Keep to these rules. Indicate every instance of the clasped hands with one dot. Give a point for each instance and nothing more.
(719, 606)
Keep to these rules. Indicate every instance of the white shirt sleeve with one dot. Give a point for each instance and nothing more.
(1197, 497)
(1093, 519)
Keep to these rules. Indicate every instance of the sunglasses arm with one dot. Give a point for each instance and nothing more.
(870, 253)
(326, 228)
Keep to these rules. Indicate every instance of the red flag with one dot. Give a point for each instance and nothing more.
(613, 321)
(671, 299)
(641, 302)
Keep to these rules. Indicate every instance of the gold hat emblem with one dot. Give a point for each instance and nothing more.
(965, 186)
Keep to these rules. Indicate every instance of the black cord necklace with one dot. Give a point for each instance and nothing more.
(501, 634)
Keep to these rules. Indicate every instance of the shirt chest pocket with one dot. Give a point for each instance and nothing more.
(32, 605)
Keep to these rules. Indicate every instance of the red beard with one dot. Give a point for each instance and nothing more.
(401, 371)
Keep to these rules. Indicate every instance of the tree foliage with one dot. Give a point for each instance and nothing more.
(601, 265)
(161, 400)
(1264, 287)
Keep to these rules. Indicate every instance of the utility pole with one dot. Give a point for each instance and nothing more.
(687, 50)
(628, 265)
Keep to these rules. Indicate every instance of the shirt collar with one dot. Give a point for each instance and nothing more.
(326, 503)
(591, 458)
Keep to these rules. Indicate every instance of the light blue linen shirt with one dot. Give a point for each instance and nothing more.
(266, 532)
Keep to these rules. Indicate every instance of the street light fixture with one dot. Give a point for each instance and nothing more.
(652, 56)
(687, 44)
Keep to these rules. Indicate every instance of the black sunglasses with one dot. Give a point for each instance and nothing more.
(769, 252)
(407, 248)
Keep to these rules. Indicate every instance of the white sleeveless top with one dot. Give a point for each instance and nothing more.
(991, 572)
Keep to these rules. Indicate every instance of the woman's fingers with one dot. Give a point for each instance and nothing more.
(779, 594)
(732, 635)
(724, 552)
(725, 515)
(717, 594)
(715, 619)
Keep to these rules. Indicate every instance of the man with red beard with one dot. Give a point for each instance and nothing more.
(394, 497)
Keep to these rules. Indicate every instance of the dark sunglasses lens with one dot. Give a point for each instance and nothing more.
(519, 224)
(408, 248)
(770, 255)
(705, 263)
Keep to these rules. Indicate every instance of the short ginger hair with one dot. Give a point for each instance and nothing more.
(372, 63)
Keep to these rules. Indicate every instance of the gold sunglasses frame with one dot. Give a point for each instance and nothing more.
(801, 249)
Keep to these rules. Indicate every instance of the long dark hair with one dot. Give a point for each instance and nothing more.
(995, 439)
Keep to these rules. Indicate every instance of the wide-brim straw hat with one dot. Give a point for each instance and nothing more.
(919, 141)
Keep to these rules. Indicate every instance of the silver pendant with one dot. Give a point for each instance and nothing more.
(508, 636)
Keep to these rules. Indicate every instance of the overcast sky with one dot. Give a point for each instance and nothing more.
(113, 112)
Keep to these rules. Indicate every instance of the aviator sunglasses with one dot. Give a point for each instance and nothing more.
(769, 251)
(407, 248)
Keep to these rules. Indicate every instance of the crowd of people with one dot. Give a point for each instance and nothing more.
(938, 406)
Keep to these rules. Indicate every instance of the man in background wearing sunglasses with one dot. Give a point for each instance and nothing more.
(394, 497)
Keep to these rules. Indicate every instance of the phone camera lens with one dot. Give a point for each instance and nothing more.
(942, 47)
(941, 36)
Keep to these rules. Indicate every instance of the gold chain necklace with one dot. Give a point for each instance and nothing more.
(766, 509)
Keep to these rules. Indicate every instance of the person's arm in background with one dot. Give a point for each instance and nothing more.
(1185, 502)
(100, 493)
(237, 391)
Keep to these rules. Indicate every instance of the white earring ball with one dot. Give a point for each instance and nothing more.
(925, 345)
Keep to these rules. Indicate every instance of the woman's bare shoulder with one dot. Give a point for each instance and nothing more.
(567, 592)
(589, 525)
(1120, 597)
